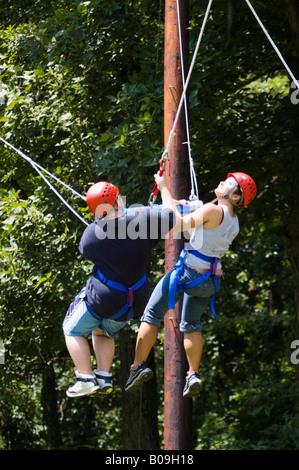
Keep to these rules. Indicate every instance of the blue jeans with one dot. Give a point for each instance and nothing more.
(195, 301)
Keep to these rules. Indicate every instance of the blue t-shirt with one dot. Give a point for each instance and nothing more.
(121, 248)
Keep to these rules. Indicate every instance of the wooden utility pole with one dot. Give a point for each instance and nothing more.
(177, 410)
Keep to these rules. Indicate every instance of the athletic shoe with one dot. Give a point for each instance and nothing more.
(84, 385)
(193, 386)
(104, 380)
(137, 377)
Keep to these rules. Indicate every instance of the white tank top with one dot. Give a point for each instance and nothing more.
(214, 242)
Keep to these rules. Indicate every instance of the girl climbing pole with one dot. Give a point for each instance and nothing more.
(196, 276)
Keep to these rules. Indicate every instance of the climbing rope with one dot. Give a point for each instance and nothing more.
(194, 188)
(40, 171)
(273, 44)
(165, 154)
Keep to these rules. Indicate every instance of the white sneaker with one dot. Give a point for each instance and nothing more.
(84, 385)
(193, 385)
(104, 380)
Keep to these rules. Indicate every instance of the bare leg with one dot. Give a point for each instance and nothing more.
(193, 344)
(146, 338)
(78, 348)
(104, 348)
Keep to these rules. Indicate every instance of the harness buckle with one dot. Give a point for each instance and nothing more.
(130, 297)
(214, 266)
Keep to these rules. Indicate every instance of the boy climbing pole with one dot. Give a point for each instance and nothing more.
(119, 243)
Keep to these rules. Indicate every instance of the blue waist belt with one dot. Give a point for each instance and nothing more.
(176, 286)
(123, 288)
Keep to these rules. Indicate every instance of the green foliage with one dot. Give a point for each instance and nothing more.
(81, 92)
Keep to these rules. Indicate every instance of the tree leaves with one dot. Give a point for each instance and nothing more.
(82, 94)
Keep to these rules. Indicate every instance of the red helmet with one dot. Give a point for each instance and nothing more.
(247, 186)
(100, 197)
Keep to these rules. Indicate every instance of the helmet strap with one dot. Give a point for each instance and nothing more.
(116, 209)
(226, 196)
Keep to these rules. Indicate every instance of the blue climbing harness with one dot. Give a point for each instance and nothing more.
(176, 286)
(123, 288)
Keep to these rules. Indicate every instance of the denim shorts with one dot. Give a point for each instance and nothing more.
(81, 320)
(195, 301)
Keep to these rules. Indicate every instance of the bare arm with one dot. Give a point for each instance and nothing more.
(207, 215)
